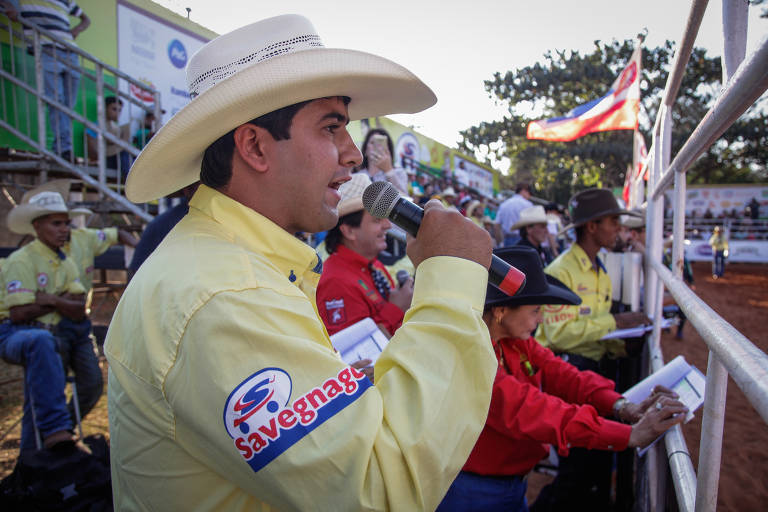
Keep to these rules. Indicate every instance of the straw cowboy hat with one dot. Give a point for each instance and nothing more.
(472, 206)
(531, 215)
(352, 194)
(634, 222)
(61, 186)
(449, 192)
(591, 204)
(539, 288)
(20, 218)
(258, 69)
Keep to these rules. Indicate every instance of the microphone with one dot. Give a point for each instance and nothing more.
(382, 200)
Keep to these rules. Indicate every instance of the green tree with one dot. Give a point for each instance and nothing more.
(566, 79)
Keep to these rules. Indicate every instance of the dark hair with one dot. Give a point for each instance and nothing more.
(524, 232)
(580, 232)
(367, 139)
(216, 167)
(111, 99)
(334, 236)
(522, 186)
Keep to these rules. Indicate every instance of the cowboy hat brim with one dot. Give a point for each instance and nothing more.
(611, 212)
(376, 86)
(528, 222)
(20, 218)
(556, 293)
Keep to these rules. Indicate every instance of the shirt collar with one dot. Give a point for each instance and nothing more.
(351, 256)
(46, 251)
(584, 261)
(293, 258)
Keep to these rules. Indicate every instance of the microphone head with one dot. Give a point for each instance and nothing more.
(379, 198)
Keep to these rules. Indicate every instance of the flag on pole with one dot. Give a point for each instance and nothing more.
(617, 110)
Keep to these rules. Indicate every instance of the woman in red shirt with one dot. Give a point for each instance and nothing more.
(538, 399)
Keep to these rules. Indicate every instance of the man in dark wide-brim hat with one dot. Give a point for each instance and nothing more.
(576, 332)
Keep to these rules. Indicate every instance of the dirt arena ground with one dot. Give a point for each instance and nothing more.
(741, 297)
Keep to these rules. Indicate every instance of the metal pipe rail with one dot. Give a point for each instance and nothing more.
(741, 91)
(747, 365)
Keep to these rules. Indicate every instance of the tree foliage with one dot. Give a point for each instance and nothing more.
(566, 79)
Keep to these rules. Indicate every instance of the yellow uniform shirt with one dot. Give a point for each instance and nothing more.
(578, 329)
(35, 267)
(718, 242)
(226, 394)
(84, 245)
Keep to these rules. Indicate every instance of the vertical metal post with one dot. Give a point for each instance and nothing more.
(735, 13)
(41, 106)
(101, 117)
(678, 224)
(710, 448)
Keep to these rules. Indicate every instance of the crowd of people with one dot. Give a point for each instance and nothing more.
(225, 391)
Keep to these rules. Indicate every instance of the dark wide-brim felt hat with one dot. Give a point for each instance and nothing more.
(591, 204)
(539, 287)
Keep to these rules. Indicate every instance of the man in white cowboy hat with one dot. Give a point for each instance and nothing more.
(42, 316)
(534, 233)
(224, 389)
(575, 333)
(355, 284)
(84, 243)
(509, 212)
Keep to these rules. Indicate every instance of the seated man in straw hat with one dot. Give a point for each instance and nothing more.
(575, 333)
(224, 390)
(355, 285)
(42, 316)
(532, 224)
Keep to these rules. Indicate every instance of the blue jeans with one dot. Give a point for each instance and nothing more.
(511, 239)
(60, 83)
(45, 357)
(477, 493)
(718, 264)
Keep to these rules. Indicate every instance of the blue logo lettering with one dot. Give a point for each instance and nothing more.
(177, 54)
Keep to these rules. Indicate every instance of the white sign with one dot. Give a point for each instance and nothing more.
(155, 52)
(407, 151)
(724, 199)
(472, 175)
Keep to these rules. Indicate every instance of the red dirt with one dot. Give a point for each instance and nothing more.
(741, 297)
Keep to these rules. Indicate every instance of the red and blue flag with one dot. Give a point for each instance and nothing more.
(617, 110)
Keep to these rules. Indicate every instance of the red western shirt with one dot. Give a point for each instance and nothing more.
(346, 293)
(539, 399)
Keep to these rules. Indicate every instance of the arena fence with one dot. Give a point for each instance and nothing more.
(23, 105)
(745, 80)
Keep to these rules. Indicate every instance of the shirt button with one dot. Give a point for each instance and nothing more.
(610, 447)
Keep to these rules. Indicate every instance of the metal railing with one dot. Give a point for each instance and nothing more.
(745, 80)
(24, 102)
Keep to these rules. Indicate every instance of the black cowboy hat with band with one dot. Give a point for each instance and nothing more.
(539, 287)
(591, 204)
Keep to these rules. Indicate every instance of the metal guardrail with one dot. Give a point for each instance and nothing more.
(27, 91)
(730, 352)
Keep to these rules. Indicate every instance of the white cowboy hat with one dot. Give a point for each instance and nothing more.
(352, 194)
(20, 218)
(531, 215)
(449, 192)
(258, 69)
(61, 186)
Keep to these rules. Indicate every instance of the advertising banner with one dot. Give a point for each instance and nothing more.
(724, 199)
(472, 175)
(748, 251)
(155, 52)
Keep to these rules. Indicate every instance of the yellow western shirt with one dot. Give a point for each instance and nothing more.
(35, 267)
(579, 329)
(718, 242)
(226, 394)
(84, 245)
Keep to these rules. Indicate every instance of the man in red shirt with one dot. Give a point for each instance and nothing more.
(354, 284)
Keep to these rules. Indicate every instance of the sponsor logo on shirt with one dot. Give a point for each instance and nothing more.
(42, 279)
(581, 288)
(14, 286)
(585, 310)
(262, 422)
(101, 235)
(337, 314)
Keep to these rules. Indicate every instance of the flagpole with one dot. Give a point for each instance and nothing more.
(635, 157)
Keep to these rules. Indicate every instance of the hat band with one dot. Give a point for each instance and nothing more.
(211, 77)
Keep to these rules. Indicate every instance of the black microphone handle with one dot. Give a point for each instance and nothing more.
(501, 274)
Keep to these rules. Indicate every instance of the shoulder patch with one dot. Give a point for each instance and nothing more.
(262, 422)
(42, 279)
(337, 313)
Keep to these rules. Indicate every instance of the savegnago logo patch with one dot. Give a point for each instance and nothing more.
(263, 424)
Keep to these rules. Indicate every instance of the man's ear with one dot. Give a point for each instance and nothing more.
(347, 231)
(253, 145)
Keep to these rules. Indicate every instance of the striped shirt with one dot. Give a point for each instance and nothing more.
(52, 15)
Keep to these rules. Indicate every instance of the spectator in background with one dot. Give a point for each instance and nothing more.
(555, 226)
(61, 77)
(354, 284)
(146, 131)
(719, 244)
(509, 212)
(754, 209)
(635, 225)
(117, 158)
(43, 319)
(379, 162)
(532, 225)
(540, 400)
